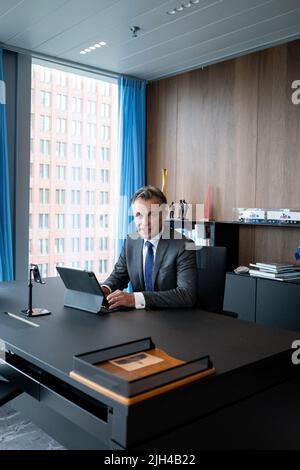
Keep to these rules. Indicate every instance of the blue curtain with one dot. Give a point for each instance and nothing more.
(131, 150)
(6, 258)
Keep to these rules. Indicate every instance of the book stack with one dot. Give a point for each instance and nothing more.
(277, 271)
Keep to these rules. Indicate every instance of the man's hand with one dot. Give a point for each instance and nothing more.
(119, 298)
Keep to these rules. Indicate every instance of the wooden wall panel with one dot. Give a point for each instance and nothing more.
(233, 126)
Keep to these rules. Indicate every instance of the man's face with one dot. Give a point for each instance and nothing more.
(149, 217)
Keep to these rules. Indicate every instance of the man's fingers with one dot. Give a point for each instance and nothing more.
(114, 294)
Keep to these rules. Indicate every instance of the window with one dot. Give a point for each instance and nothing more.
(60, 172)
(104, 198)
(76, 151)
(75, 221)
(76, 173)
(104, 175)
(104, 153)
(103, 220)
(75, 196)
(61, 149)
(31, 121)
(59, 246)
(70, 183)
(91, 130)
(45, 98)
(104, 132)
(45, 147)
(44, 171)
(89, 221)
(105, 110)
(45, 123)
(103, 243)
(76, 105)
(90, 174)
(91, 152)
(91, 107)
(61, 102)
(44, 196)
(89, 244)
(60, 196)
(90, 198)
(43, 267)
(43, 221)
(43, 246)
(75, 245)
(30, 246)
(60, 221)
(88, 265)
(61, 126)
(103, 266)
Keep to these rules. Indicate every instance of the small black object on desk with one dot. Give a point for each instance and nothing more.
(34, 312)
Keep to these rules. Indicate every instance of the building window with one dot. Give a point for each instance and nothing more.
(89, 221)
(90, 198)
(104, 176)
(91, 85)
(75, 264)
(91, 108)
(76, 173)
(75, 245)
(75, 221)
(76, 105)
(60, 172)
(60, 221)
(45, 147)
(75, 196)
(91, 130)
(61, 79)
(104, 132)
(61, 126)
(104, 154)
(105, 89)
(103, 219)
(89, 244)
(77, 128)
(60, 196)
(43, 221)
(43, 267)
(105, 110)
(103, 243)
(45, 75)
(88, 265)
(45, 123)
(44, 171)
(44, 196)
(103, 266)
(77, 82)
(59, 246)
(61, 149)
(61, 102)
(90, 174)
(76, 151)
(45, 98)
(104, 197)
(91, 152)
(43, 246)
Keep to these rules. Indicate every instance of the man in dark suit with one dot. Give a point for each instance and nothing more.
(162, 270)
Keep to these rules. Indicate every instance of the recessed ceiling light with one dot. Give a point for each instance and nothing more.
(179, 8)
(87, 49)
(171, 12)
(187, 5)
(92, 48)
(194, 2)
(102, 43)
(82, 52)
(97, 45)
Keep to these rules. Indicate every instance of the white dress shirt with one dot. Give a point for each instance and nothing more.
(139, 296)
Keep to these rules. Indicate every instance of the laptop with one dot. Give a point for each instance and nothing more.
(83, 291)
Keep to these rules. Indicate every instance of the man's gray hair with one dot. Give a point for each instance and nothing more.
(149, 192)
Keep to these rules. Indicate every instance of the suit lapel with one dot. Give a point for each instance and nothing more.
(160, 253)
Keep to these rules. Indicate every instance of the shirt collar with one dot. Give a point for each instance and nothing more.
(154, 240)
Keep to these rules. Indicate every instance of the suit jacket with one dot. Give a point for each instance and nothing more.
(174, 273)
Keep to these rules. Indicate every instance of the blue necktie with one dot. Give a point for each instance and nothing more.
(149, 262)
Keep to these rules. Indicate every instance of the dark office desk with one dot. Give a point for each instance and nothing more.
(250, 360)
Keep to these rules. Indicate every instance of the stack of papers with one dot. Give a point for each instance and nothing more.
(278, 271)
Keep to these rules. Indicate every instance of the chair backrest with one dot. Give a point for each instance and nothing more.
(211, 267)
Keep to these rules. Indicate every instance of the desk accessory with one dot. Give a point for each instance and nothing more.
(34, 312)
(132, 372)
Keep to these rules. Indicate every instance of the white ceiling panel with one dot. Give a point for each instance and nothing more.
(204, 32)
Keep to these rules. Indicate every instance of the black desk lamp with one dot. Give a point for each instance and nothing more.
(34, 312)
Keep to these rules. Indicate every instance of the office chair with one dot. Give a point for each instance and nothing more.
(211, 267)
